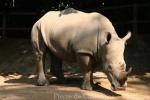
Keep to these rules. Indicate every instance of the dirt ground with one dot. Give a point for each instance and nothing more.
(17, 76)
(18, 87)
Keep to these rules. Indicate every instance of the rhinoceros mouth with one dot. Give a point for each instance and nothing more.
(114, 88)
(115, 84)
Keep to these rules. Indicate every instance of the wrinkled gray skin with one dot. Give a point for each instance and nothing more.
(84, 38)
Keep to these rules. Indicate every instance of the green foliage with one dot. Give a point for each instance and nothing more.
(77, 4)
(56, 4)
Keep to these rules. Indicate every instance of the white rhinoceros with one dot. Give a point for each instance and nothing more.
(83, 38)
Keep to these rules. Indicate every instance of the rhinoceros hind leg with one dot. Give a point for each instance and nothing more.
(41, 79)
(39, 48)
(56, 69)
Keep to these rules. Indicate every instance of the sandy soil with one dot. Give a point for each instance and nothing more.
(18, 87)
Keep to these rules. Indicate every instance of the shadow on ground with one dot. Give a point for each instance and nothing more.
(69, 82)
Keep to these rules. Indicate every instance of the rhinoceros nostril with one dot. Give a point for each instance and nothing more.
(113, 87)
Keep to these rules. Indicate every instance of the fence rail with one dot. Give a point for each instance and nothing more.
(20, 13)
(133, 22)
(16, 28)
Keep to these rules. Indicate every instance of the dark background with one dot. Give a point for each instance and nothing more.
(125, 14)
(17, 18)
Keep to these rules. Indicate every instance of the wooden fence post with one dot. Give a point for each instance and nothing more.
(135, 29)
(3, 24)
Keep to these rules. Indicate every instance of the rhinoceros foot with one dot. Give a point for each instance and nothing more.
(42, 82)
(86, 86)
(58, 81)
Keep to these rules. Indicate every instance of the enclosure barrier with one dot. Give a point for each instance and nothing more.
(133, 22)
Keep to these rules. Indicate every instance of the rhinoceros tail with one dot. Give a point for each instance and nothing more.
(37, 39)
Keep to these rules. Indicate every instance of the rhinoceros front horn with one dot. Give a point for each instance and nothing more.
(129, 71)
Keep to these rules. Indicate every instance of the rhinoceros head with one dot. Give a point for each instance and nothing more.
(113, 60)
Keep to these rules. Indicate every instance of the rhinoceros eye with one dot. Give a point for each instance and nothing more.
(108, 37)
(109, 68)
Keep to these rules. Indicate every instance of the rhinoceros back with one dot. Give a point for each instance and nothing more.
(71, 33)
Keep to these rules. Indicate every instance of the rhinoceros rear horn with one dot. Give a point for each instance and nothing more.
(129, 71)
(127, 36)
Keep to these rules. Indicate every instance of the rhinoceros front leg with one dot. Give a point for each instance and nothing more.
(86, 64)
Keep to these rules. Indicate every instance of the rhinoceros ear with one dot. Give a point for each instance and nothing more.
(127, 36)
(108, 37)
